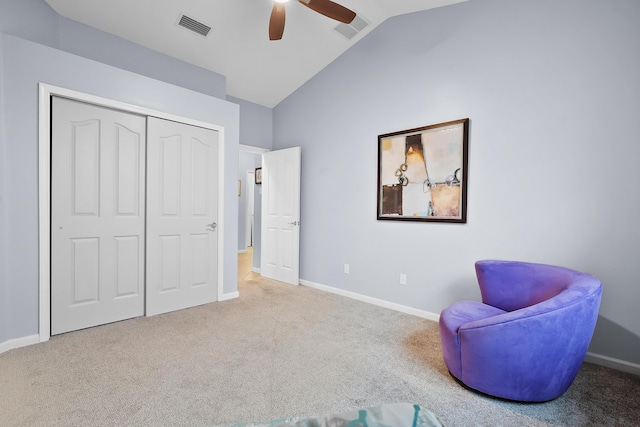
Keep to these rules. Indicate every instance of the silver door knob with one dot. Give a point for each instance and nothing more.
(294, 223)
(212, 226)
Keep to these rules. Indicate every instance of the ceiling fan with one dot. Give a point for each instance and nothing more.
(324, 7)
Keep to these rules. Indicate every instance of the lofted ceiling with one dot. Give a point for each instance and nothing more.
(238, 46)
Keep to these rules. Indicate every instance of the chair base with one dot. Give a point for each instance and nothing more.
(503, 399)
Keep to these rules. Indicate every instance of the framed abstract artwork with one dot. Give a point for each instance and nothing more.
(422, 173)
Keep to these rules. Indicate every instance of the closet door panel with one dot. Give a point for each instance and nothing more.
(182, 212)
(97, 215)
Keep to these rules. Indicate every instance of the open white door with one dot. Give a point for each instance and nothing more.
(182, 211)
(280, 250)
(97, 215)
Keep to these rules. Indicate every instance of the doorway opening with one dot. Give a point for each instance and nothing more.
(245, 265)
(249, 210)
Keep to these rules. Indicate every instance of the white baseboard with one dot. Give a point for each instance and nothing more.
(374, 301)
(613, 363)
(242, 251)
(19, 342)
(255, 269)
(229, 296)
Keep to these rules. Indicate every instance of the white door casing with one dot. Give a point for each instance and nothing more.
(182, 215)
(97, 215)
(249, 208)
(280, 235)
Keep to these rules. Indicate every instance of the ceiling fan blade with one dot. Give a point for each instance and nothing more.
(276, 23)
(331, 10)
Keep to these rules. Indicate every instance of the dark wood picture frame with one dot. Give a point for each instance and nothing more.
(423, 173)
(258, 176)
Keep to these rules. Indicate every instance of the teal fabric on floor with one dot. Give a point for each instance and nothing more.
(387, 415)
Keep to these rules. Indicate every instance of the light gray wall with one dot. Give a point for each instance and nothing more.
(22, 66)
(256, 123)
(4, 295)
(31, 20)
(551, 88)
(25, 65)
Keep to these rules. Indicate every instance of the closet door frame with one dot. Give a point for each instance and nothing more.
(45, 92)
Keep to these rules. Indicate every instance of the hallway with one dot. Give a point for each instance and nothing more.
(245, 263)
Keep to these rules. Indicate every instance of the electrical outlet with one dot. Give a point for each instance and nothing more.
(403, 279)
(346, 269)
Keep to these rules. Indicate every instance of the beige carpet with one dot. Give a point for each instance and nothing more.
(275, 352)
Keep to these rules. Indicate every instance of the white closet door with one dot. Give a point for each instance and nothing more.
(97, 216)
(182, 211)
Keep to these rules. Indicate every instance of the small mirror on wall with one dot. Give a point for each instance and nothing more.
(258, 175)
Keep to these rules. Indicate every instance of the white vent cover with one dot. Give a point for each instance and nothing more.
(350, 30)
(193, 25)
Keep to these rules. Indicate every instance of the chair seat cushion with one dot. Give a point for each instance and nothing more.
(451, 319)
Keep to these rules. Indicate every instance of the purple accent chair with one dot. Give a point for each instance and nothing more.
(527, 339)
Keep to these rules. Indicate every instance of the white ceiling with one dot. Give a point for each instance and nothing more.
(238, 47)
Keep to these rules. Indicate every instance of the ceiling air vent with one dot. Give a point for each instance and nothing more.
(193, 25)
(350, 30)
